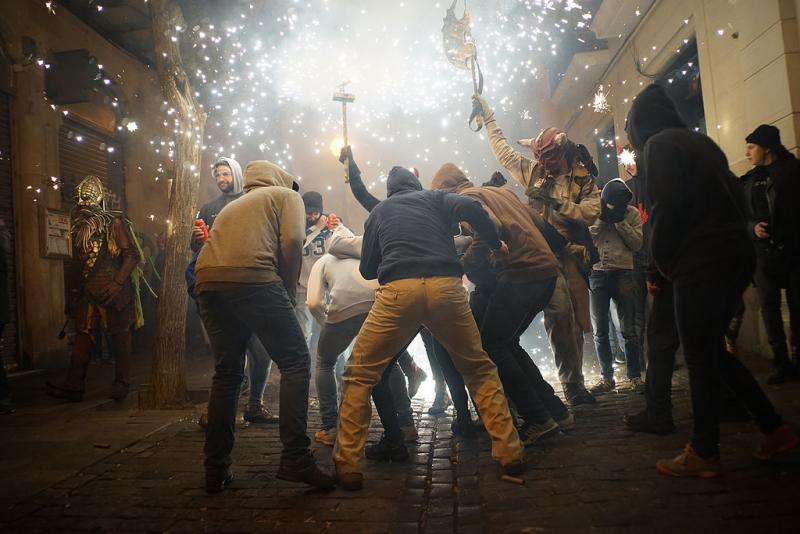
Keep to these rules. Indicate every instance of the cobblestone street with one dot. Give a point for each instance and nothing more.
(600, 476)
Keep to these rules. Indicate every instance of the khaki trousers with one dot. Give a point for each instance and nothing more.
(401, 307)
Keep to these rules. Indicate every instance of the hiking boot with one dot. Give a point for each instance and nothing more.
(576, 394)
(644, 422)
(67, 394)
(690, 464)
(781, 440)
(566, 423)
(352, 481)
(410, 434)
(119, 390)
(605, 385)
(514, 469)
(216, 482)
(326, 436)
(385, 451)
(260, 416)
(415, 380)
(440, 404)
(305, 470)
(530, 433)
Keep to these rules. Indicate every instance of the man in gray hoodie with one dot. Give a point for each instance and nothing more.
(228, 175)
(339, 299)
(246, 280)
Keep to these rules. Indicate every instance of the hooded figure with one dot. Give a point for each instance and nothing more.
(614, 200)
(258, 238)
(695, 204)
(401, 179)
(208, 213)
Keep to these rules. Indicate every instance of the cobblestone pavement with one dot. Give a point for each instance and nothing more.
(598, 477)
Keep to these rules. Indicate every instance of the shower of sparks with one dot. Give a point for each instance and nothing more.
(600, 101)
(627, 157)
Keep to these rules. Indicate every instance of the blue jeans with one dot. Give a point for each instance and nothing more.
(231, 317)
(620, 287)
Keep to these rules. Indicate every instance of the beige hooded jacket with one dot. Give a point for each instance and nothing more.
(258, 238)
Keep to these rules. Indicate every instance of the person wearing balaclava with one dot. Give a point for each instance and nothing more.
(771, 189)
(227, 174)
(559, 184)
(408, 246)
(700, 245)
(617, 235)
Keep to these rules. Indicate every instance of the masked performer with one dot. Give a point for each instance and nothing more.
(105, 287)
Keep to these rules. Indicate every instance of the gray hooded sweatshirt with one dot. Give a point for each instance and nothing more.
(258, 238)
(335, 279)
(208, 213)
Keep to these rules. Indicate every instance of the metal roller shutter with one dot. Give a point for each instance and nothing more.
(9, 343)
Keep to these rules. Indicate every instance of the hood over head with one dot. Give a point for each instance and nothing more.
(236, 170)
(262, 173)
(652, 111)
(344, 244)
(400, 180)
(616, 193)
(450, 178)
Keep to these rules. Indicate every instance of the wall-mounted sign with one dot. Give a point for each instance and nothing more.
(55, 234)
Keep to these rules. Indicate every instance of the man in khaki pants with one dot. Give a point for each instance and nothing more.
(408, 246)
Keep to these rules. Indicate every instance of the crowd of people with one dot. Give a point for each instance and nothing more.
(657, 260)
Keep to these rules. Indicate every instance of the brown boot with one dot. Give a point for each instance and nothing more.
(690, 464)
(352, 481)
(781, 440)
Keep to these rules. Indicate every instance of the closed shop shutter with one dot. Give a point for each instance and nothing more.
(9, 343)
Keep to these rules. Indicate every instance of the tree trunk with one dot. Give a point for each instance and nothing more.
(167, 388)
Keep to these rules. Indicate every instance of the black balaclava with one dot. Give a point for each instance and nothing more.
(618, 195)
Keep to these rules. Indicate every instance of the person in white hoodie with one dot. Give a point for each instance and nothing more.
(339, 299)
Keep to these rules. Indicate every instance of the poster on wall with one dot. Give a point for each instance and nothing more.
(55, 233)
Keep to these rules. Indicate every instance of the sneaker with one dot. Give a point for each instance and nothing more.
(440, 404)
(689, 464)
(305, 470)
(644, 422)
(410, 434)
(636, 385)
(352, 481)
(782, 440)
(566, 423)
(385, 451)
(605, 385)
(415, 380)
(119, 390)
(530, 433)
(216, 482)
(326, 437)
(260, 416)
(576, 395)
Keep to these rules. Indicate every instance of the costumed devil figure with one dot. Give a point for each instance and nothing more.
(105, 287)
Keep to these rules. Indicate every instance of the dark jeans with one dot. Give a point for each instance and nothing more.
(621, 287)
(640, 295)
(436, 369)
(769, 288)
(503, 312)
(230, 318)
(662, 344)
(453, 379)
(703, 312)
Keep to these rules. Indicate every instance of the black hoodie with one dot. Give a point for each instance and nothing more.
(695, 204)
(409, 235)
